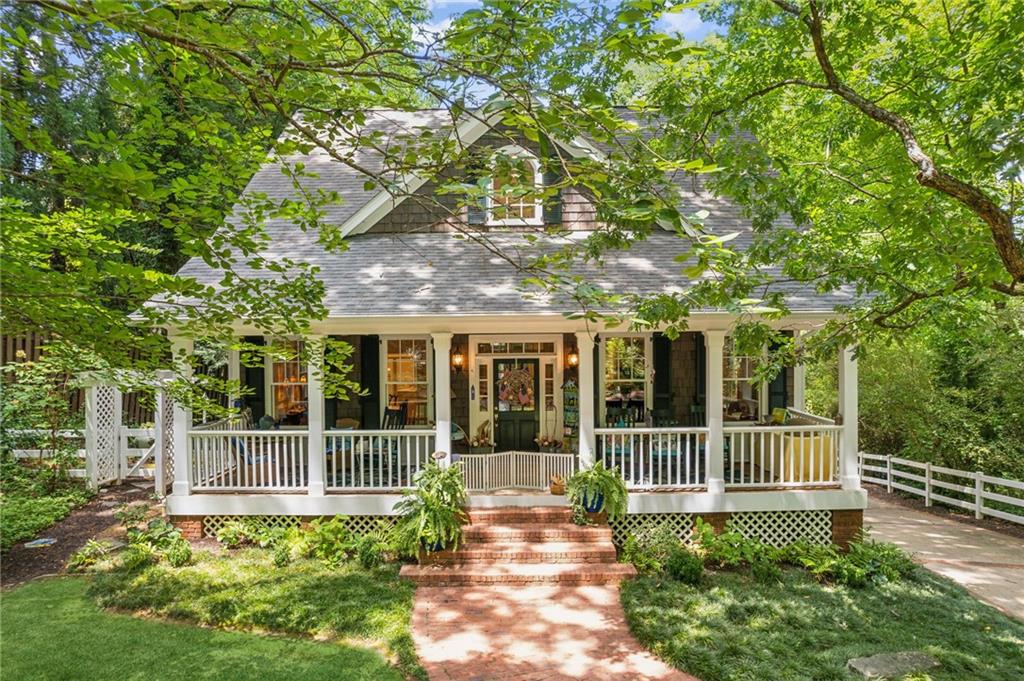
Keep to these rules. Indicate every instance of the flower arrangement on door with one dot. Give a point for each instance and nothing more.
(516, 385)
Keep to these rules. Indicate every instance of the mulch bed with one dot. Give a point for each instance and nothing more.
(916, 503)
(94, 520)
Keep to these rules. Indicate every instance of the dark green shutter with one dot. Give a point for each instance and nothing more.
(253, 378)
(598, 373)
(700, 368)
(553, 204)
(331, 404)
(369, 379)
(778, 392)
(662, 350)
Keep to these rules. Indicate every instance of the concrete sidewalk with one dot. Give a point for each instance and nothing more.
(989, 564)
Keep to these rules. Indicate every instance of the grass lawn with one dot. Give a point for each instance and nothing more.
(53, 630)
(244, 590)
(732, 627)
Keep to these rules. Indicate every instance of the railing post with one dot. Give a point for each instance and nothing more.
(888, 473)
(588, 441)
(928, 483)
(714, 341)
(443, 395)
(979, 500)
(848, 408)
(315, 411)
(181, 348)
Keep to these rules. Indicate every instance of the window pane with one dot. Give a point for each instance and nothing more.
(547, 347)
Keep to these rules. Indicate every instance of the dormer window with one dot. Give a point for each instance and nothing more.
(515, 192)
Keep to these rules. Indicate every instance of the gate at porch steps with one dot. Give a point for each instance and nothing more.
(496, 471)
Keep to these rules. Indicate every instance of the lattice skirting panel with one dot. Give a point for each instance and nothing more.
(776, 528)
(781, 528)
(357, 524)
(681, 524)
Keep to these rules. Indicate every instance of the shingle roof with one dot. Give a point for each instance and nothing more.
(428, 274)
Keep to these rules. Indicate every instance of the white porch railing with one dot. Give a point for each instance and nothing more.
(246, 460)
(375, 460)
(515, 470)
(782, 456)
(656, 458)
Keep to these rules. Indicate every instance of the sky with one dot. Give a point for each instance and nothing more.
(687, 22)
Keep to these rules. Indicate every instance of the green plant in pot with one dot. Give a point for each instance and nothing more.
(432, 512)
(598, 489)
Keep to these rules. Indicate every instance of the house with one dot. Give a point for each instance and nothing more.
(451, 351)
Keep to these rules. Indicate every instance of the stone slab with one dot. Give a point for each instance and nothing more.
(892, 665)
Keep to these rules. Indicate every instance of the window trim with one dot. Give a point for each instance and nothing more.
(517, 151)
(602, 358)
(268, 379)
(759, 390)
(383, 376)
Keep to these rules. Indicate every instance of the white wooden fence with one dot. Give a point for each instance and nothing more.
(962, 489)
(375, 459)
(514, 470)
(134, 451)
(782, 456)
(653, 458)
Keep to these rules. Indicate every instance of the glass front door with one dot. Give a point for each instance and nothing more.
(516, 416)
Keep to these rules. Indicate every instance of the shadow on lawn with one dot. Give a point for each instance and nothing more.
(246, 591)
(735, 627)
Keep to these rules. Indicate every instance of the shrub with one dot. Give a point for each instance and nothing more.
(232, 534)
(329, 540)
(684, 565)
(138, 555)
(179, 553)
(730, 548)
(131, 515)
(88, 555)
(866, 563)
(370, 550)
(649, 548)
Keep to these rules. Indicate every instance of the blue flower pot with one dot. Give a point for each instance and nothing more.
(437, 546)
(593, 504)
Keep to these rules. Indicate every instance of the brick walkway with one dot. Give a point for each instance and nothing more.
(529, 633)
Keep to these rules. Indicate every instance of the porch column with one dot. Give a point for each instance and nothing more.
(799, 377)
(181, 349)
(315, 414)
(442, 395)
(848, 475)
(588, 439)
(714, 342)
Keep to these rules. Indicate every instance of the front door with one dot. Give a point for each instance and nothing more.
(516, 418)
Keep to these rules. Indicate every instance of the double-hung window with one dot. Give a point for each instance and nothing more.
(515, 192)
(407, 378)
(740, 392)
(288, 389)
(625, 376)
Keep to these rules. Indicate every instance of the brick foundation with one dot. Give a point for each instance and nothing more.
(845, 526)
(716, 520)
(190, 526)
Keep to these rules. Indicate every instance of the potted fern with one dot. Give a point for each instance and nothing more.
(598, 489)
(432, 512)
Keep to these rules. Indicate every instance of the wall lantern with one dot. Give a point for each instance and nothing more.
(573, 358)
(458, 360)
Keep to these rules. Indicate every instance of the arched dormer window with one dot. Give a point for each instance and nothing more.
(516, 187)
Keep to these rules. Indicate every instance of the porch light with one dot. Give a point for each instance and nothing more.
(458, 360)
(573, 358)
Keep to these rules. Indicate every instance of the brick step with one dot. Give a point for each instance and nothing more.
(526, 552)
(535, 532)
(517, 573)
(506, 515)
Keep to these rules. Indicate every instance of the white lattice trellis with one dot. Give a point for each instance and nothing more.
(357, 524)
(780, 528)
(681, 524)
(102, 433)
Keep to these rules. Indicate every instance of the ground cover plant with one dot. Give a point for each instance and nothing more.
(31, 500)
(736, 626)
(55, 620)
(320, 580)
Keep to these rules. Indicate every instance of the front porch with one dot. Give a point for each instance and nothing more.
(639, 402)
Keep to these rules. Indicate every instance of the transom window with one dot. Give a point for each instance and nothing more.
(739, 391)
(407, 378)
(288, 388)
(625, 372)
(514, 196)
